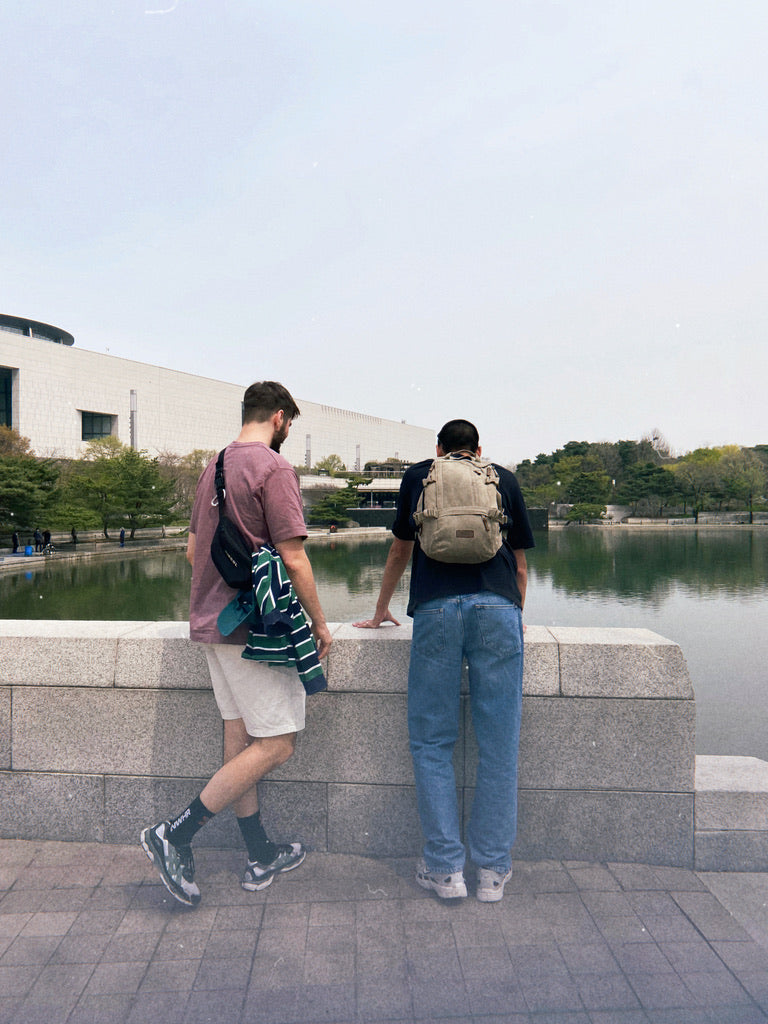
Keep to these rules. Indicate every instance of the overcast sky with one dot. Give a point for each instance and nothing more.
(547, 217)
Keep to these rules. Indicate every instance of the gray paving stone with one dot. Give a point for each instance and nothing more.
(335, 949)
(662, 991)
(100, 1009)
(116, 978)
(588, 957)
(224, 973)
(432, 997)
(384, 997)
(691, 957)
(543, 993)
(26, 951)
(225, 943)
(710, 917)
(494, 995)
(618, 1017)
(606, 992)
(641, 958)
(223, 1007)
(168, 1007)
(159, 978)
(123, 948)
(756, 983)
(742, 956)
(327, 968)
(716, 988)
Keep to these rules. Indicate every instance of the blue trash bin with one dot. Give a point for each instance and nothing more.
(29, 550)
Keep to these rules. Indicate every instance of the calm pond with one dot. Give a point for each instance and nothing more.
(706, 589)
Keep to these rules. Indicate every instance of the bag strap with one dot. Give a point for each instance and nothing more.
(218, 483)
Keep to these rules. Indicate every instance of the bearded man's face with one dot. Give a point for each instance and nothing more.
(279, 435)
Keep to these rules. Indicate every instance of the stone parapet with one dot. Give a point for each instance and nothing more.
(105, 727)
(731, 832)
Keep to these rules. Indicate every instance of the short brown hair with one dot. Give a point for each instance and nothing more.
(263, 399)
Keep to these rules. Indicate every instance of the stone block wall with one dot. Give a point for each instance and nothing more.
(105, 727)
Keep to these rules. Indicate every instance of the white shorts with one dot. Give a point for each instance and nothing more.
(269, 698)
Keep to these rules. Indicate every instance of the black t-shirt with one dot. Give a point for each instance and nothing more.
(431, 579)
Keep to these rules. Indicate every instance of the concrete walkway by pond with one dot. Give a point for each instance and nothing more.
(88, 934)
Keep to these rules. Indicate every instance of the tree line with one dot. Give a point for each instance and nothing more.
(115, 487)
(645, 476)
(111, 487)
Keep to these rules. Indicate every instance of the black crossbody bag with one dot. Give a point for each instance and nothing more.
(230, 552)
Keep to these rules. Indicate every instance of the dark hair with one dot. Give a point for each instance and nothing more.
(459, 436)
(263, 399)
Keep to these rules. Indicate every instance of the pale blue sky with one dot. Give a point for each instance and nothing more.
(546, 217)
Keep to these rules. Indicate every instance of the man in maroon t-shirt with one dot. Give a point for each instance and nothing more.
(262, 706)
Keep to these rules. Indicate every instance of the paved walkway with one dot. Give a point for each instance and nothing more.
(88, 934)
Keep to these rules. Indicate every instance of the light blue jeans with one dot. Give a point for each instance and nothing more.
(487, 630)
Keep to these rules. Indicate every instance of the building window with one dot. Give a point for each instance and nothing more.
(96, 424)
(6, 397)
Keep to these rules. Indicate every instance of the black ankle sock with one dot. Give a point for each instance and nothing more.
(260, 847)
(190, 821)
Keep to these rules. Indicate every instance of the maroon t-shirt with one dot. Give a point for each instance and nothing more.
(264, 501)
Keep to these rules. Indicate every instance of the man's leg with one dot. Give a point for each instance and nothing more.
(244, 765)
(273, 717)
(494, 649)
(434, 684)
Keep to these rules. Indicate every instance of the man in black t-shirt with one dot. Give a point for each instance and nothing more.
(472, 612)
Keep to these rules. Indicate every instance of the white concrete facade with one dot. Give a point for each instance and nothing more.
(53, 384)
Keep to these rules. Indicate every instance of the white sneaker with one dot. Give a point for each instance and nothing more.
(490, 884)
(447, 887)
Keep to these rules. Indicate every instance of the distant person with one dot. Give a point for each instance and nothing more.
(473, 612)
(122, 537)
(73, 534)
(262, 705)
(15, 541)
(38, 540)
(46, 538)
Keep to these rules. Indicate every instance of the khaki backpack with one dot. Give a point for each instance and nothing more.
(459, 514)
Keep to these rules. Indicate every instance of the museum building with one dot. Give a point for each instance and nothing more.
(62, 397)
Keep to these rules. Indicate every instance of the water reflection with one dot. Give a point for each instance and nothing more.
(707, 590)
(649, 565)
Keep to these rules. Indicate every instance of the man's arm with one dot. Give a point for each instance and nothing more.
(191, 549)
(299, 569)
(397, 559)
(522, 574)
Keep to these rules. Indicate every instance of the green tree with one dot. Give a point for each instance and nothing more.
(649, 483)
(27, 489)
(13, 443)
(124, 489)
(585, 512)
(743, 476)
(591, 488)
(332, 465)
(698, 477)
(184, 471)
(335, 507)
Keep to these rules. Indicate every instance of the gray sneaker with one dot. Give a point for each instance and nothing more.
(258, 876)
(175, 864)
(447, 887)
(490, 884)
